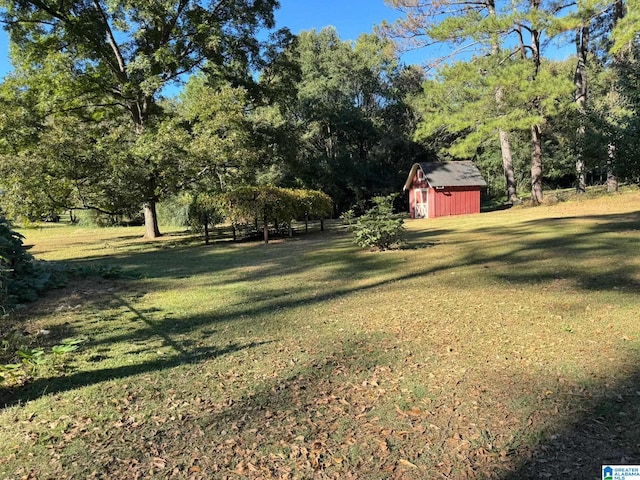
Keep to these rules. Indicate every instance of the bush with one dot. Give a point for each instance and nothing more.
(92, 218)
(174, 211)
(274, 204)
(23, 278)
(15, 262)
(379, 227)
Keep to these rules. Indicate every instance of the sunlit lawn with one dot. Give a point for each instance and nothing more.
(501, 345)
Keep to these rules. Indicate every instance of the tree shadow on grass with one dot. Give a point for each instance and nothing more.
(290, 258)
(598, 257)
(603, 429)
(574, 446)
(155, 323)
(495, 207)
(284, 258)
(53, 385)
(323, 419)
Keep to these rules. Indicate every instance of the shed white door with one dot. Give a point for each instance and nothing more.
(421, 202)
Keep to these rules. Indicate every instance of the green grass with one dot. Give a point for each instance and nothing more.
(501, 345)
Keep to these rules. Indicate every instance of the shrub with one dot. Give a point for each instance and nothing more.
(379, 227)
(23, 278)
(274, 204)
(174, 211)
(92, 218)
(15, 262)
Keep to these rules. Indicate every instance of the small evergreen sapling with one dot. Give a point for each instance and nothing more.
(379, 227)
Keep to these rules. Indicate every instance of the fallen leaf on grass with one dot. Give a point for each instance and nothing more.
(407, 463)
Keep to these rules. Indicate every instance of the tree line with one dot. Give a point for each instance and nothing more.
(500, 87)
(87, 121)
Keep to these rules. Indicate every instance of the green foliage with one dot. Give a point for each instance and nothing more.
(17, 363)
(108, 61)
(312, 204)
(15, 264)
(222, 144)
(68, 345)
(23, 279)
(248, 203)
(175, 210)
(379, 227)
(463, 98)
(205, 210)
(351, 117)
(101, 271)
(626, 31)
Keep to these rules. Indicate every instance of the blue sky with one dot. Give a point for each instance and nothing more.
(350, 17)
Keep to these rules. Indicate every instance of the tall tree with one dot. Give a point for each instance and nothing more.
(220, 132)
(351, 114)
(627, 24)
(490, 37)
(52, 160)
(619, 12)
(536, 133)
(470, 27)
(582, 89)
(128, 51)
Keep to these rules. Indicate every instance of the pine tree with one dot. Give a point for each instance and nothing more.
(508, 87)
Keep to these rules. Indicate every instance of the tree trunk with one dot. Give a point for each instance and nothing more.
(151, 220)
(581, 179)
(505, 142)
(206, 229)
(536, 135)
(536, 165)
(265, 229)
(580, 82)
(612, 179)
(619, 12)
(507, 165)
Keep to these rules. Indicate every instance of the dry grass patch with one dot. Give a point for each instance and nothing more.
(504, 346)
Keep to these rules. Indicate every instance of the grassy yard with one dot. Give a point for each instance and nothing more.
(502, 345)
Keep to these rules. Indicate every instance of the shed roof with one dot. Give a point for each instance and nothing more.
(448, 174)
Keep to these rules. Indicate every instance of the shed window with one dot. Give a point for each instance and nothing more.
(420, 174)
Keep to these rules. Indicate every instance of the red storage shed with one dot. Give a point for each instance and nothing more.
(444, 188)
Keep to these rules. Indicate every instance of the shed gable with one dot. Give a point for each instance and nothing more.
(447, 174)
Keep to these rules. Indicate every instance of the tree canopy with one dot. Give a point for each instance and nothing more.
(121, 54)
(86, 123)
